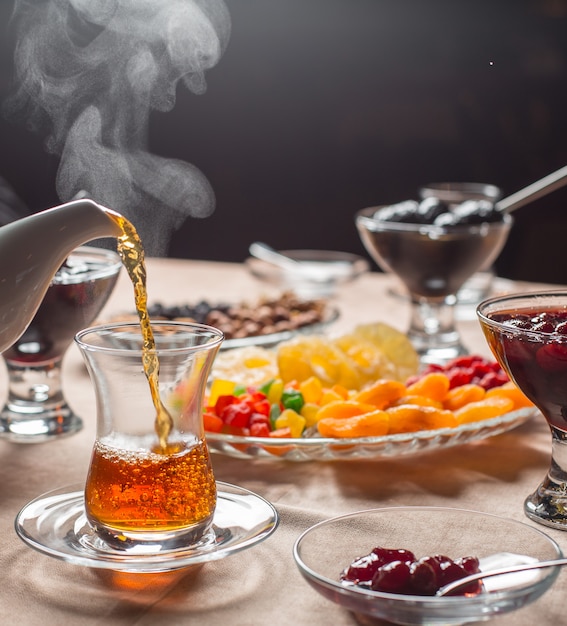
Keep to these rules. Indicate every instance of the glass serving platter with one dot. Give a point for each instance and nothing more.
(364, 448)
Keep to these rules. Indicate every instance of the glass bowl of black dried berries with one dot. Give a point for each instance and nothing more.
(388, 564)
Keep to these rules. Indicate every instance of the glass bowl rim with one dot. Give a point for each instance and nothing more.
(111, 269)
(516, 297)
(365, 218)
(426, 601)
(355, 263)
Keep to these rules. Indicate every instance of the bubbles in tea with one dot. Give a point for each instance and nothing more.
(129, 490)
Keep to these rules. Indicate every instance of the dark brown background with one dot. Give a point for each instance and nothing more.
(321, 107)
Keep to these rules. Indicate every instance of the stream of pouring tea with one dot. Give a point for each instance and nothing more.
(131, 251)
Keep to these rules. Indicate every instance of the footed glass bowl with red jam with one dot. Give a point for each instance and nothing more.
(416, 549)
(528, 335)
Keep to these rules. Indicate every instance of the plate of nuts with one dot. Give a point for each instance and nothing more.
(264, 322)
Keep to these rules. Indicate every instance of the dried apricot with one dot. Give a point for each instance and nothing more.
(434, 385)
(419, 400)
(409, 418)
(484, 409)
(341, 409)
(509, 390)
(382, 393)
(373, 424)
(459, 396)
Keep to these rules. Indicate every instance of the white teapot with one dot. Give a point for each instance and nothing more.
(32, 250)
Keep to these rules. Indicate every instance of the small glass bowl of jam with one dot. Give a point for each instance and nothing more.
(327, 550)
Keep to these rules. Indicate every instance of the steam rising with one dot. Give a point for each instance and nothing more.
(89, 73)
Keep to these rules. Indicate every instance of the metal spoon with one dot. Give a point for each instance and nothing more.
(266, 253)
(511, 569)
(536, 190)
(315, 271)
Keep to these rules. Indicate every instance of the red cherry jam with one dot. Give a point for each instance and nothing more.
(534, 353)
(399, 571)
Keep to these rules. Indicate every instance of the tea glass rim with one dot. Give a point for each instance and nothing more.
(216, 337)
(366, 217)
(485, 305)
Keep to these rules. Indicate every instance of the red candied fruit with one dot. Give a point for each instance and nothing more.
(403, 574)
(363, 568)
(387, 555)
(467, 369)
(393, 577)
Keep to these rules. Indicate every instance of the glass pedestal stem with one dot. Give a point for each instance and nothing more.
(548, 504)
(432, 329)
(36, 409)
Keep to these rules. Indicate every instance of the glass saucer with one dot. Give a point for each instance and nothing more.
(55, 524)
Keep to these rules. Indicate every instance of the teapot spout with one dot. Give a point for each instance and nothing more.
(32, 250)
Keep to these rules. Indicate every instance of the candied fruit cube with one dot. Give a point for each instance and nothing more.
(311, 389)
(309, 411)
(292, 420)
(220, 387)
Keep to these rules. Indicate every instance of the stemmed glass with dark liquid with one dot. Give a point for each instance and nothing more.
(528, 335)
(433, 250)
(36, 409)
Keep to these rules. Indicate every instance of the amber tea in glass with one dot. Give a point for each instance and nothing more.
(145, 485)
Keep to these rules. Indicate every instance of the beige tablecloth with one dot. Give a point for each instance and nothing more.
(260, 585)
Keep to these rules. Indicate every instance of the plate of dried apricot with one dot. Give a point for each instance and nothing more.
(357, 396)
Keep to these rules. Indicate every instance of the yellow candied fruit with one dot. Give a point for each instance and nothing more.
(409, 418)
(342, 409)
(309, 411)
(434, 385)
(509, 390)
(373, 424)
(275, 391)
(484, 409)
(311, 389)
(294, 421)
(459, 396)
(381, 393)
(329, 396)
(220, 387)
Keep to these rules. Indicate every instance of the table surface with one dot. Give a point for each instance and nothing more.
(260, 585)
